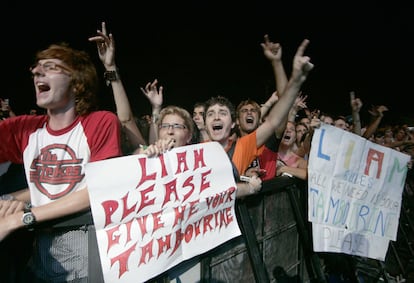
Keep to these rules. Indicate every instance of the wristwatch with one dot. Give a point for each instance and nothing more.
(111, 76)
(28, 219)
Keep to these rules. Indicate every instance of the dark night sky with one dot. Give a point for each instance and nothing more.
(204, 49)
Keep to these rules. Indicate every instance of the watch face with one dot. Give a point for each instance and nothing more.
(28, 218)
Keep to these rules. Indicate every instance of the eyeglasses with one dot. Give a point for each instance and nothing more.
(166, 126)
(49, 67)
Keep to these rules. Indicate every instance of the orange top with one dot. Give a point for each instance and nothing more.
(245, 152)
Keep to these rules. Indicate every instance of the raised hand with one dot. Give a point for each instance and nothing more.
(301, 63)
(300, 102)
(378, 111)
(356, 103)
(271, 50)
(154, 95)
(106, 47)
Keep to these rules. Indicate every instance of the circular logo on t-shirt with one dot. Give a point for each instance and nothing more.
(56, 171)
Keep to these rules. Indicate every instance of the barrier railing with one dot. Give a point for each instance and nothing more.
(250, 255)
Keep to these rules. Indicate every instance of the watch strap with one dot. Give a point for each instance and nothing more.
(28, 218)
(111, 76)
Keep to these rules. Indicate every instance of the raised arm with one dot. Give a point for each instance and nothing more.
(265, 107)
(300, 103)
(278, 113)
(106, 50)
(356, 105)
(377, 114)
(155, 97)
(273, 52)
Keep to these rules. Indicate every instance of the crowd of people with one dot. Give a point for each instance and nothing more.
(263, 140)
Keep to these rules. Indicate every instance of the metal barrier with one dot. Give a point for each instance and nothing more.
(275, 239)
(276, 243)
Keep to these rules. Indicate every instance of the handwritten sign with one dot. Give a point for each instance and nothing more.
(152, 213)
(354, 193)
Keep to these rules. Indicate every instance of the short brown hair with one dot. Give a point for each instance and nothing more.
(83, 73)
